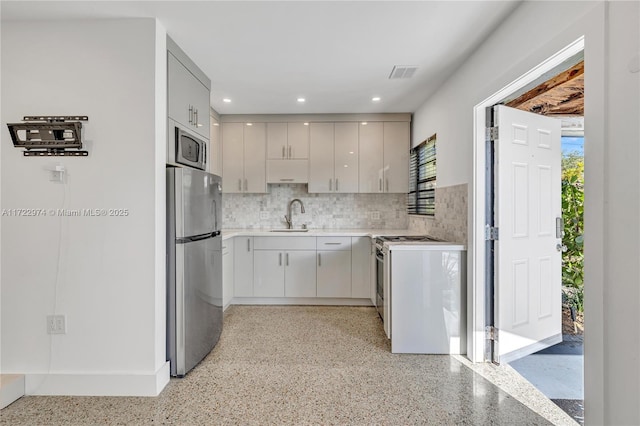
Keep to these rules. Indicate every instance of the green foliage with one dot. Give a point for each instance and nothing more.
(573, 239)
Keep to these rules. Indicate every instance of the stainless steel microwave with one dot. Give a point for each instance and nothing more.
(189, 150)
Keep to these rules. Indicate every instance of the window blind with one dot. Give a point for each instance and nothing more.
(422, 178)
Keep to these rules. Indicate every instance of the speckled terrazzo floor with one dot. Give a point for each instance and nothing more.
(299, 365)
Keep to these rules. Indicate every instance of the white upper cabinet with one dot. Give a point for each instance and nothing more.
(396, 157)
(384, 157)
(371, 160)
(298, 141)
(243, 158)
(346, 157)
(232, 157)
(287, 141)
(277, 148)
(255, 139)
(321, 155)
(215, 159)
(188, 98)
(333, 157)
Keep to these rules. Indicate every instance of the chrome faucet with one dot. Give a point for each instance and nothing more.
(288, 217)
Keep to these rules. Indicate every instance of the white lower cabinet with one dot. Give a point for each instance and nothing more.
(227, 271)
(297, 267)
(334, 267)
(300, 273)
(243, 267)
(284, 267)
(268, 272)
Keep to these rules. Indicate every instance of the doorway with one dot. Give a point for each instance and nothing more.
(482, 346)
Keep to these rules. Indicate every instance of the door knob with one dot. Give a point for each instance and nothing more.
(561, 247)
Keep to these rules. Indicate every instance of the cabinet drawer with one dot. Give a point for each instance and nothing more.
(333, 243)
(284, 243)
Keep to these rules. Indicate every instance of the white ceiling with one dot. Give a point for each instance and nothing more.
(338, 55)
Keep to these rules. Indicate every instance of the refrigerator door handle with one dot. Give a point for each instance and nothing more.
(185, 240)
(214, 206)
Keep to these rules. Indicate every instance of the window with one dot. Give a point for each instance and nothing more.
(422, 178)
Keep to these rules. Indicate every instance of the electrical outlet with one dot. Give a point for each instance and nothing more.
(375, 215)
(56, 324)
(264, 215)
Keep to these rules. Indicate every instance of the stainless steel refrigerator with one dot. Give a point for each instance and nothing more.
(194, 267)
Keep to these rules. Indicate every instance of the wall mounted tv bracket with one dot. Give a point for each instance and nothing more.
(49, 136)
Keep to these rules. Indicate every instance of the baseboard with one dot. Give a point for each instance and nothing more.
(75, 384)
(11, 388)
(319, 301)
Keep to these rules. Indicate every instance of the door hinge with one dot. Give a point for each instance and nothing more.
(491, 233)
(491, 133)
(491, 333)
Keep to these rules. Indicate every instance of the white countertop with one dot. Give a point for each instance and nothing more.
(230, 233)
(405, 245)
(425, 245)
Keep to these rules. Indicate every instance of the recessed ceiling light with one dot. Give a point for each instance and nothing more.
(376, 99)
(226, 100)
(364, 123)
(249, 124)
(301, 100)
(306, 124)
(215, 124)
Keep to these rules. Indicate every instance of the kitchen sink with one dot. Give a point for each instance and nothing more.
(289, 230)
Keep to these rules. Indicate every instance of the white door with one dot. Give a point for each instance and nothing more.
(528, 248)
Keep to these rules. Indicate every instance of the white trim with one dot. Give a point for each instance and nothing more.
(11, 388)
(98, 384)
(310, 301)
(476, 296)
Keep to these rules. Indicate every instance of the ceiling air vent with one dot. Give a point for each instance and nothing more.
(402, 71)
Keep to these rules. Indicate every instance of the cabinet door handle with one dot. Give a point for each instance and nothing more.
(286, 180)
(380, 184)
(196, 117)
(279, 259)
(287, 259)
(332, 244)
(246, 185)
(337, 185)
(190, 114)
(330, 184)
(387, 185)
(319, 259)
(248, 244)
(289, 151)
(282, 151)
(239, 184)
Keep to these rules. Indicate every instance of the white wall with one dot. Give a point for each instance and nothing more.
(533, 33)
(106, 274)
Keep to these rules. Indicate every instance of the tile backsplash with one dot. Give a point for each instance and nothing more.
(450, 220)
(323, 211)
